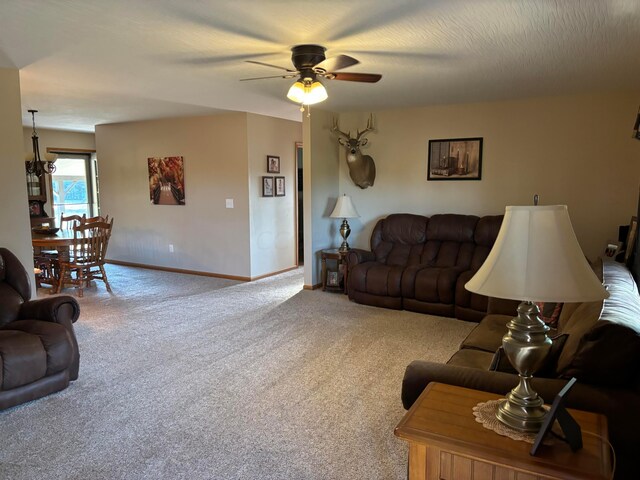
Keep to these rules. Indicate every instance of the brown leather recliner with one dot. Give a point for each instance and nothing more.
(38, 347)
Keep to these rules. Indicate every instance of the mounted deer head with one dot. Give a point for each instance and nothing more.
(362, 169)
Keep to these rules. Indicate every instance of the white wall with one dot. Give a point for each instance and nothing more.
(207, 237)
(224, 158)
(321, 189)
(574, 150)
(273, 228)
(15, 233)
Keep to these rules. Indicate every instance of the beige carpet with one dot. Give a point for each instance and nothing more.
(186, 377)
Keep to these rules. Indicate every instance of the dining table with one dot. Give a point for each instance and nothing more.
(62, 242)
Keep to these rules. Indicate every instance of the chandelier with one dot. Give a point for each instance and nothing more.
(35, 165)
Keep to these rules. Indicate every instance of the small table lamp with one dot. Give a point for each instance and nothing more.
(536, 258)
(344, 209)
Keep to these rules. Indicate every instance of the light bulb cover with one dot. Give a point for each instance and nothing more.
(307, 92)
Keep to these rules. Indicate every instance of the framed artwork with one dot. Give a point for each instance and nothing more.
(267, 186)
(631, 239)
(455, 159)
(166, 180)
(279, 186)
(332, 279)
(273, 164)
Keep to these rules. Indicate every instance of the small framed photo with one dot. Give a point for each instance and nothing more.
(267, 186)
(279, 186)
(630, 244)
(455, 159)
(613, 248)
(35, 208)
(273, 164)
(332, 279)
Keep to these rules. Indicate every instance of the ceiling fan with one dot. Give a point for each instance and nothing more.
(310, 63)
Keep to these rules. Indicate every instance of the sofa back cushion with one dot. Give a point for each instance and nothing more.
(450, 241)
(398, 239)
(484, 237)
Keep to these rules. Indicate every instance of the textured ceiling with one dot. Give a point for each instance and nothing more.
(87, 62)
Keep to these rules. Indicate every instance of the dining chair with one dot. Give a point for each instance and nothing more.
(90, 242)
(70, 221)
(66, 223)
(97, 218)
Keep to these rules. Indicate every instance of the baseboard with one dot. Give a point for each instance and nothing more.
(312, 287)
(197, 272)
(274, 273)
(179, 270)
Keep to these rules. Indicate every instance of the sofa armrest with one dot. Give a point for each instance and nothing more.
(357, 255)
(62, 309)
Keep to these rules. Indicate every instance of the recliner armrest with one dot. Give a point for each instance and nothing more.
(357, 255)
(62, 309)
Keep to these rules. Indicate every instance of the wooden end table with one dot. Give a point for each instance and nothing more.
(446, 443)
(340, 271)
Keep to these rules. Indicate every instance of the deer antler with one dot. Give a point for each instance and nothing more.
(343, 138)
(368, 129)
(337, 130)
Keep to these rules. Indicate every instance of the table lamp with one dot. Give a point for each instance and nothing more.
(536, 258)
(344, 209)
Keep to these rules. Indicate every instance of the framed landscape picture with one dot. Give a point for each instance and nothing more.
(455, 159)
(166, 180)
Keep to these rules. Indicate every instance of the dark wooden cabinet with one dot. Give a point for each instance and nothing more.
(37, 197)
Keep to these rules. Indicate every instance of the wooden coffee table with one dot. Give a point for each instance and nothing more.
(446, 442)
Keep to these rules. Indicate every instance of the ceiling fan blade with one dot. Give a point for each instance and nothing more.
(272, 66)
(355, 77)
(290, 75)
(336, 63)
(217, 59)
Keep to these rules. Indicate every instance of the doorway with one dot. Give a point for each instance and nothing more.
(299, 206)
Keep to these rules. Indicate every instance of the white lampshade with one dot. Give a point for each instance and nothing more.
(307, 92)
(537, 258)
(344, 208)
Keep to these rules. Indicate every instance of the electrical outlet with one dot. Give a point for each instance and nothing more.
(229, 203)
(171, 248)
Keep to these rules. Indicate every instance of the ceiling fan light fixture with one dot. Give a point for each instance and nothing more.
(307, 92)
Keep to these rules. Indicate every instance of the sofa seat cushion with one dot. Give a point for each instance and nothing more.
(31, 350)
(376, 279)
(488, 334)
(472, 358)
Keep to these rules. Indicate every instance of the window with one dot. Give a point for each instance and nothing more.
(73, 185)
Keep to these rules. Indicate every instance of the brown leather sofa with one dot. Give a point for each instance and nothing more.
(421, 264)
(38, 348)
(601, 349)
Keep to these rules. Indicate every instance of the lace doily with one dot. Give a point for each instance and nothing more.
(485, 413)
